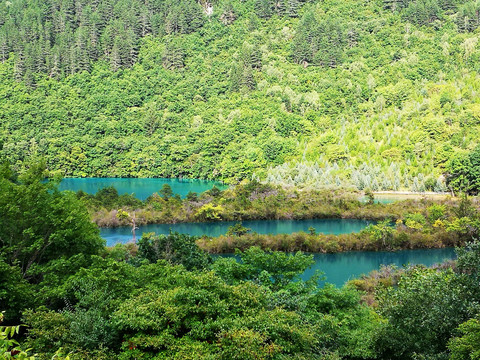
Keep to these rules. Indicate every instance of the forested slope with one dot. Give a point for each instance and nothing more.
(379, 94)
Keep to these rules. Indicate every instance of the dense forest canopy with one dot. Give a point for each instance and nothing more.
(373, 94)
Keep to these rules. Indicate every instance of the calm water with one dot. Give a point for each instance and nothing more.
(326, 226)
(341, 267)
(141, 187)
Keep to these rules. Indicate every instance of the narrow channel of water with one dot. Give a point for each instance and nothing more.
(326, 226)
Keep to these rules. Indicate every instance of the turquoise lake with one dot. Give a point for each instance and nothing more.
(141, 187)
(341, 267)
(326, 226)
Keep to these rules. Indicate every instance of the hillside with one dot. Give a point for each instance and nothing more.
(378, 94)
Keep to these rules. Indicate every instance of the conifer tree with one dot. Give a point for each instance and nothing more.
(292, 8)
(263, 8)
(173, 56)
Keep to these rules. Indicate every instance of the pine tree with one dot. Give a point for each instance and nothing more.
(173, 56)
(248, 81)
(292, 8)
(303, 40)
(263, 8)
(228, 14)
(468, 17)
(352, 38)
(279, 7)
(115, 57)
(145, 24)
(256, 58)
(235, 76)
(19, 65)
(3, 45)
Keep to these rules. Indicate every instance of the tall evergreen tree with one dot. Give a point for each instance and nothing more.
(292, 8)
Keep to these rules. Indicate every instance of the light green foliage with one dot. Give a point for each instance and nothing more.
(209, 212)
(381, 232)
(166, 192)
(275, 270)
(435, 212)
(415, 221)
(9, 348)
(466, 222)
(467, 345)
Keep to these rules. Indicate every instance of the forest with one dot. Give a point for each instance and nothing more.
(378, 94)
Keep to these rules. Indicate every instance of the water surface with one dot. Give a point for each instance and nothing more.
(341, 267)
(141, 187)
(326, 226)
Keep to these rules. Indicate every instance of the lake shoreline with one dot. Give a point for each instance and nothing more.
(404, 239)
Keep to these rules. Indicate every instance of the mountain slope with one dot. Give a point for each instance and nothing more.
(366, 93)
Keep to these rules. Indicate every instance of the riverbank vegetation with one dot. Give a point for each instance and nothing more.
(364, 94)
(252, 200)
(406, 225)
(167, 299)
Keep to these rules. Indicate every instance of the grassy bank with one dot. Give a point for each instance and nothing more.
(250, 201)
(366, 240)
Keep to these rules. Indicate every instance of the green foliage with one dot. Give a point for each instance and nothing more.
(166, 192)
(319, 42)
(209, 212)
(192, 196)
(16, 293)
(370, 196)
(415, 221)
(381, 232)
(467, 345)
(422, 313)
(464, 172)
(435, 212)
(40, 223)
(177, 249)
(10, 348)
(273, 269)
(238, 229)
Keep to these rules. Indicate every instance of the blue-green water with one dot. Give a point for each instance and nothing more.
(141, 187)
(326, 226)
(341, 267)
